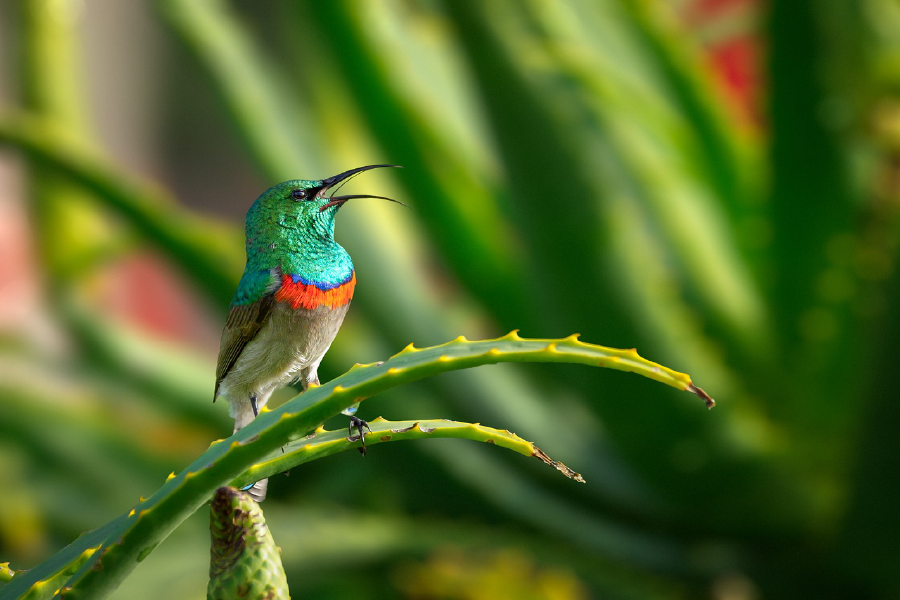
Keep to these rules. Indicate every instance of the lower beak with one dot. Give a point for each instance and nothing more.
(337, 201)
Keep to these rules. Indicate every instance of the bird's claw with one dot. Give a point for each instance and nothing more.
(358, 424)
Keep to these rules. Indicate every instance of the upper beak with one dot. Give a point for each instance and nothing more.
(336, 179)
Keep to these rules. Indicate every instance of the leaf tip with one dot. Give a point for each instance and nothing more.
(540, 454)
(710, 403)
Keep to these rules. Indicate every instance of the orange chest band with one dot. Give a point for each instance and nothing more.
(307, 295)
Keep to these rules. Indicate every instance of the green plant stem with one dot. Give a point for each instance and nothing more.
(132, 537)
(322, 443)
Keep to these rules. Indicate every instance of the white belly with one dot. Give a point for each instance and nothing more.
(288, 347)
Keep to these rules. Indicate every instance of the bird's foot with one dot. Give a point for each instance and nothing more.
(359, 425)
(254, 405)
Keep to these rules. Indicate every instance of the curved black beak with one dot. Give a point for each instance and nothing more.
(343, 177)
(336, 179)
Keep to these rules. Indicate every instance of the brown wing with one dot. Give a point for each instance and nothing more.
(243, 323)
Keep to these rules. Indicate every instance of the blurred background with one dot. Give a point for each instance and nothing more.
(713, 182)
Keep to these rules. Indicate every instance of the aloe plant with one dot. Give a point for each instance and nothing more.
(750, 243)
(104, 557)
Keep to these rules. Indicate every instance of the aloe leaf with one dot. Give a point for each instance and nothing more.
(133, 536)
(462, 213)
(46, 579)
(810, 175)
(677, 55)
(53, 86)
(254, 94)
(323, 443)
(647, 133)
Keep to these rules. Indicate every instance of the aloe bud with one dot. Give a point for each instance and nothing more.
(244, 560)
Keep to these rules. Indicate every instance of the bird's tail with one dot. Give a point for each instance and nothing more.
(257, 490)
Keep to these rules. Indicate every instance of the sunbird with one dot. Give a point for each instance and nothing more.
(291, 299)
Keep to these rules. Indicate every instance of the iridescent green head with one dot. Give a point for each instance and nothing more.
(290, 227)
(302, 206)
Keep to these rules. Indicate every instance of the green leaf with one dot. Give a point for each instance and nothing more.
(322, 443)
(150, 521)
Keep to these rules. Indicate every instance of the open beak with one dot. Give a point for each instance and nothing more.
(337, 201)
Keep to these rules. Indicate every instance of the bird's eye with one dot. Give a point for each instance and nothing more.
(298, 194)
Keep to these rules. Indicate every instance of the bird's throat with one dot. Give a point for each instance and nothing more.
(320, 275)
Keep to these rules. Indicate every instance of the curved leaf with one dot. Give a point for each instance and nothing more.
(132, 537)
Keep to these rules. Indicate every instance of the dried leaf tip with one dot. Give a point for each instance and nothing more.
(702, 395)
(540, 454)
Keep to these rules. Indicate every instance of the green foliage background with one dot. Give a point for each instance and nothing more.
(569, 168)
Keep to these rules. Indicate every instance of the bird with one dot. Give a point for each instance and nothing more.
(290, 302)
